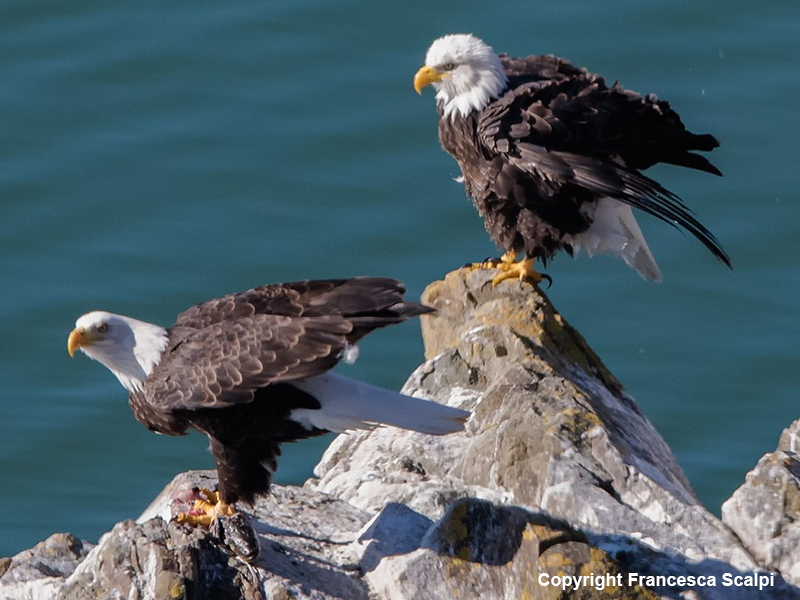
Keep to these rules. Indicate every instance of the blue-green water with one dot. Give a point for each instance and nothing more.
(156, 154)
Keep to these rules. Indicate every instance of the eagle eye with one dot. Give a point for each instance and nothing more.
(448, 66)
(102, 328)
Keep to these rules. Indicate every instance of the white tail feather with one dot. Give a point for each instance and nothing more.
(350, 404)
(614, 229)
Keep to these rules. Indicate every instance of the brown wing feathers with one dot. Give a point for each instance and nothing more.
(610, 179)
(222, 351)
(230, 363)
(559, 138)
(224, 363)
(570, 109)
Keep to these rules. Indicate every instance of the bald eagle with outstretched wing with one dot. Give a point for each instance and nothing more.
(252, 371)
(551, 155)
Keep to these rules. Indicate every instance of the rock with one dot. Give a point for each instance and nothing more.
(156, 559)
(558, 475)
(482, 550)
(551, 429)
(309, 546)
(40, 571)
(396, 530)
(765, 511)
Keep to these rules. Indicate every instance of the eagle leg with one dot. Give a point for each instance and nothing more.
(508, 257)
(206, 508)
(510, 268)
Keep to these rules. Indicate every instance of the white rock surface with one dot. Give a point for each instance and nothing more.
(765, 511)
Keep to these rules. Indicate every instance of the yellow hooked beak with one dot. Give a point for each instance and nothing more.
(426, 76)
(77, 339)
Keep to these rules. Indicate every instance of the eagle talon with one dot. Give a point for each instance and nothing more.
(511, 269)
(487, 263)
(207, 507)
(523, 270)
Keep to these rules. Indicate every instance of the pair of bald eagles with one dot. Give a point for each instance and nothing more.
(551, 157)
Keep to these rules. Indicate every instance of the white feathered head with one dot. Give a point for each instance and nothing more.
(465, 72)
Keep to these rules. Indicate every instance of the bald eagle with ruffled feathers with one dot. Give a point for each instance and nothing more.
(251, 371)
(551, 155)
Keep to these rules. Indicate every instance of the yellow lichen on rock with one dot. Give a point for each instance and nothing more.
(466, 300)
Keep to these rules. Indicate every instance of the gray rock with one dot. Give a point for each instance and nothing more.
(311, 547)
(558, 473)
(396, 530)
(551, 429)
(765, 511)
(481, 550)
(156, 559)
(40, 571)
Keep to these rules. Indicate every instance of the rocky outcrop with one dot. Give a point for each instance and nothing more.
(558, 476)
(551, 428)
(765, 511)
(40, 571)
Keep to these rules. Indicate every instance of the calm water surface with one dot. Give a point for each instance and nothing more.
(159, 154)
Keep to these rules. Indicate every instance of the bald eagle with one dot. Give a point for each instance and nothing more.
(551, 155)
(252, 370)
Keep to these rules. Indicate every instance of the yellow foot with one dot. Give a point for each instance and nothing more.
(511, 269)
(206, 508)
(521, 270)
(493, 263)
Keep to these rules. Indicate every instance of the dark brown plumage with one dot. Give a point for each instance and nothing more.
(250, 371)
(557, 138)
(229, 363)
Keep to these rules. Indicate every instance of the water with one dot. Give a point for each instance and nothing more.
(160, 154)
